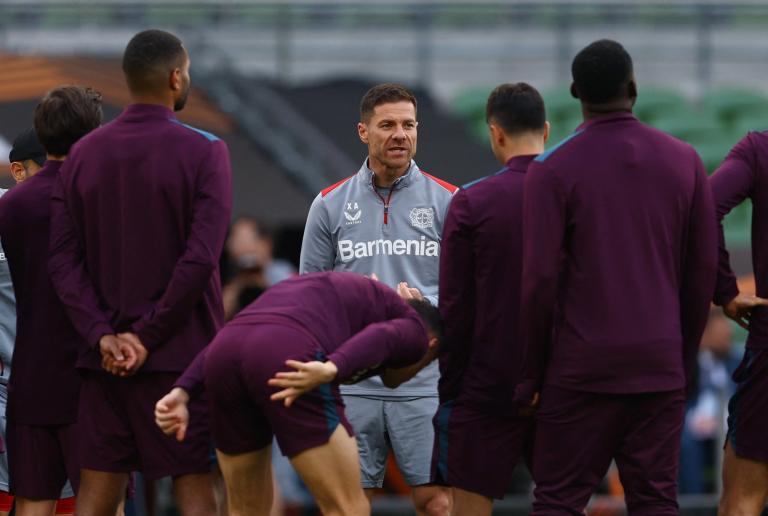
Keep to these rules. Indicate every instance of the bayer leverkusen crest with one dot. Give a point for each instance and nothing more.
(422, 218)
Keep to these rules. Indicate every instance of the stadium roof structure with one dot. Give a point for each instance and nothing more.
(261, 188)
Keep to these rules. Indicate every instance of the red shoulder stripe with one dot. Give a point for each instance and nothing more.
(334, 186)
(445, 184)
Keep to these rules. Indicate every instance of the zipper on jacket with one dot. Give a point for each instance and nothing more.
(385, 201)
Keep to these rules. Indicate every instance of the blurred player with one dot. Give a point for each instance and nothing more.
(618, 271)
(40, 431)
(139, 215)
(745, 466)
(330, 328)
(387, 220)
(479, 433)
(27, 156)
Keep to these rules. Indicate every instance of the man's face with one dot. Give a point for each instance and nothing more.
(391, 136)
(181, 96)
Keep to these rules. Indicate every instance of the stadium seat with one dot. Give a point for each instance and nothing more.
(729, 104)
(656, 103)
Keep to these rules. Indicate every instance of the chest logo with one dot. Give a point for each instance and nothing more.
(353, 213)
(422, 218)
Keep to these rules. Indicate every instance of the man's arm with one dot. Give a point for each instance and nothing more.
(192, 379)
(317, 250)
(544, 223)
(457, 296)
(731, 184)
(193, 270)
(699, 269)
(67, 270)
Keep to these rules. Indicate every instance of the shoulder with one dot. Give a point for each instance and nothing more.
(559, 149)
(439, 184)
(194, 132)
(337, 187)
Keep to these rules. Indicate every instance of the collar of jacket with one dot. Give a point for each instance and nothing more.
(366, 176)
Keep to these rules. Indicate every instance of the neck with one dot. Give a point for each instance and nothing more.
(385, 177)
(590, 111)
(158, 100)
(54, 157)
(525, 146)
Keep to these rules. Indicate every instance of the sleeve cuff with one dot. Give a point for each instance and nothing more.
(726, 295)
(193, 387)
(342, 366)
(98, 331)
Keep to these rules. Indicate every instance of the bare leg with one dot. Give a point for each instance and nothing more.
(27, 507)
(194, 494)
(220, 491)
(332, 474)
(100, 492)
(467, 502)
(249, 481)
(745, 485)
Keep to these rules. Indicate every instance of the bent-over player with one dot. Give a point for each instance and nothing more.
(330, 328)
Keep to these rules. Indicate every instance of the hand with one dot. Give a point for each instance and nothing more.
(308, 376)
(407, 292)
(740, 308)
(374, 277)
(116, 354)
(531, 408)
(172, 414)
(140, 351)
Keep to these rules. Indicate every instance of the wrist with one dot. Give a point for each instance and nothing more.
(330, 370)
(181, 394)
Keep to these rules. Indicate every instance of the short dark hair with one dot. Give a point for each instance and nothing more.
(383, 94)
(429, 314)
(66, 114)
(517, 108)
(148, 59)
(600, 70)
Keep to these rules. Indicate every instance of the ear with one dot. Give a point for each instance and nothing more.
(433, 341)
(632, 89)
(174, 80)
(547, 128)
(497, 135)
(574, 91)
(362, 132)
(18, 173)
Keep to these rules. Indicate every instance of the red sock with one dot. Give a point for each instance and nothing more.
(66, 506)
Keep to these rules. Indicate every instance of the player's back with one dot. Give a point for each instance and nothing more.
(133, 188)
(330, 306)
(629, 191)
(489, 211)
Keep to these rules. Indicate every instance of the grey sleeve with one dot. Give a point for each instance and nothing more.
(317, 250)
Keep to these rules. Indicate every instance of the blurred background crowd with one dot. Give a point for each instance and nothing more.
(281, 81)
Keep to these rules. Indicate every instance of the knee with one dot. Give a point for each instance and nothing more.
(729, 507)
(434, 504)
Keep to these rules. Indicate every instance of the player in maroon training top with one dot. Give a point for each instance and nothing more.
(619, 264)
(331, 328)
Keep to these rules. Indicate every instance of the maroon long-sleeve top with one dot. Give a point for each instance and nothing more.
(139, 218)
(359, 324)
(44, 385)
(744, 175)
(620, 255)
(480, 273)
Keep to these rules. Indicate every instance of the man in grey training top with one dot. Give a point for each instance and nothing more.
(387, 220)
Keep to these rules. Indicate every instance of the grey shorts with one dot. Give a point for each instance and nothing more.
(405, 425)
